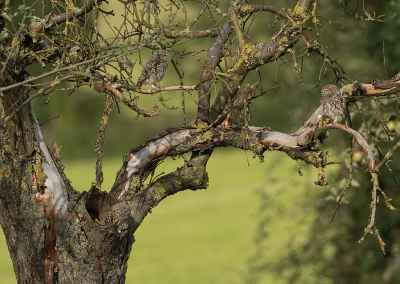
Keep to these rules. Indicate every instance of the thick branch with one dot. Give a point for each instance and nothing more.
(192, 175)
(215, 53)
(287, 36)
(299, 145)
(159, 89)
(249, 56)
(178, 141)
(381, 87)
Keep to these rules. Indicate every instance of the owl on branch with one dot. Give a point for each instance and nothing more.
(334, 104)
(154, 70)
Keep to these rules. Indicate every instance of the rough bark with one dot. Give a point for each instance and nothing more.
(52, 231)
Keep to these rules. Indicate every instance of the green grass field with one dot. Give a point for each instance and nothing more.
(206, 236)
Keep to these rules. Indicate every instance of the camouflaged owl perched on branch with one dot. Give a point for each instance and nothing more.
(154, 70)
(334, 104)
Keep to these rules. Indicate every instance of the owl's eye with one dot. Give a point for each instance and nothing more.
(118, 212)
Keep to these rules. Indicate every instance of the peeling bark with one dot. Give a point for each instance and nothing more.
(51, 236)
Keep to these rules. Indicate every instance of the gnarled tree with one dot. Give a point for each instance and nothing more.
(57, 234)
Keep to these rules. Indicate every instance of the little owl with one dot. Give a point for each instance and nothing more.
(118, 216)
(154, 70)
(333, 103)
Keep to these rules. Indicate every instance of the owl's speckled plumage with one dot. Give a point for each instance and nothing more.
(118, 215)
(333, 103)
(154, 70)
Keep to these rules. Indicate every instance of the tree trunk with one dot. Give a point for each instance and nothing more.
(54, 233)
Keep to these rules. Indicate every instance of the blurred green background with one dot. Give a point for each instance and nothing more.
(257, 223)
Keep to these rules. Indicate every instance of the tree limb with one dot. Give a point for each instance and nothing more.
(214, 55)
(299, 145)
(53, 19)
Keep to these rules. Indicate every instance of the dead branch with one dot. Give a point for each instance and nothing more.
(53, 19)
